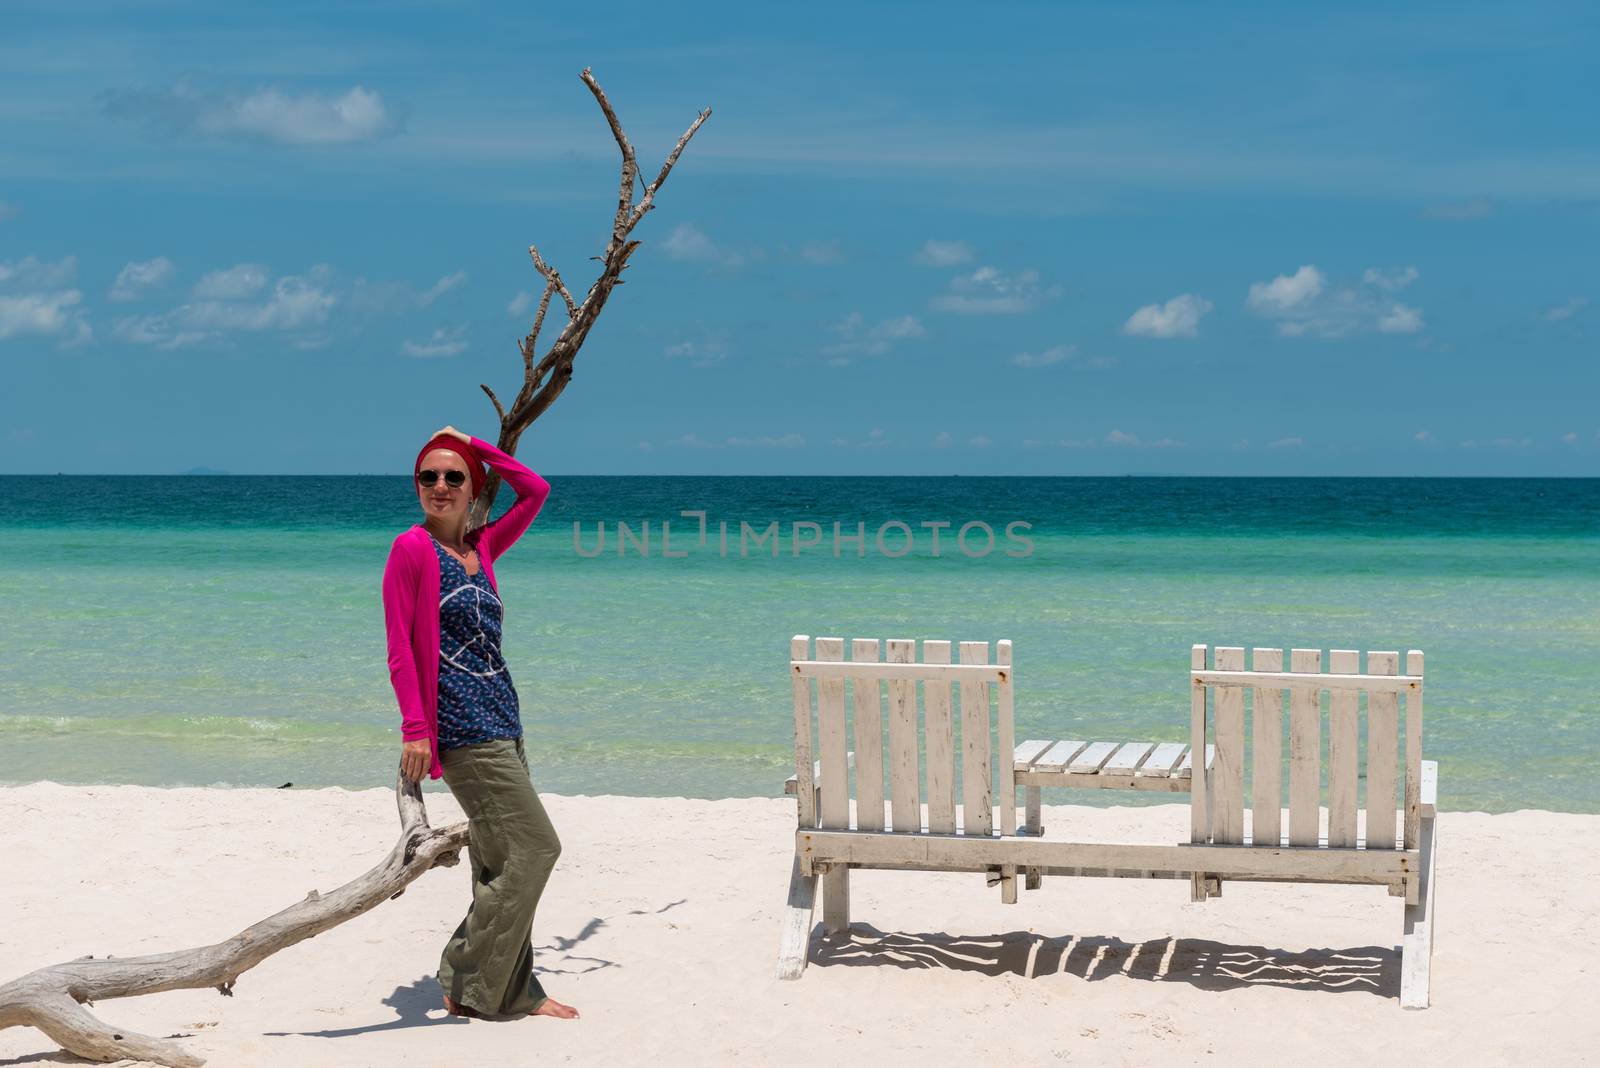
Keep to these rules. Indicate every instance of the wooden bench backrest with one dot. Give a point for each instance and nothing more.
(1259, 696)
(883, 699)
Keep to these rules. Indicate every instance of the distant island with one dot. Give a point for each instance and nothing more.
(203, 471)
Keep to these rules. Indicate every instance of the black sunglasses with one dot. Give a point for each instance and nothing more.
(454, 479)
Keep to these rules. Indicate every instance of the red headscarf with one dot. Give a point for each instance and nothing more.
(475, 467)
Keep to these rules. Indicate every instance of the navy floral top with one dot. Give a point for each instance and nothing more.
(477, 701)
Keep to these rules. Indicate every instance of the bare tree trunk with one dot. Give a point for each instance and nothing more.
(52, 998)
(544, 380)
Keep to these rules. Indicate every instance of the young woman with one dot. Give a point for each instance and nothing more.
(460, 717)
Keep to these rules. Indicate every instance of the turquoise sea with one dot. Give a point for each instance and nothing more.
(228, 629)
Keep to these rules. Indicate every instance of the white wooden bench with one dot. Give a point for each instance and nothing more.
(966, 717)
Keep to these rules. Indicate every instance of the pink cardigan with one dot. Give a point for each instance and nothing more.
(411, 597)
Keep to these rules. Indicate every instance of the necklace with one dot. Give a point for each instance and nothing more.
(463, 557)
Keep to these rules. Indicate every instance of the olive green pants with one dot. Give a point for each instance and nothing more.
(511, 846)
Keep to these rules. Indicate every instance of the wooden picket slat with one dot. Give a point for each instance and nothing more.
(1305, 752)
(1162, 761)
(1413, 753)
(939, 739)
(1088, 762)
(1199, 823)
(904, 790)
(1266, 760)
(1008, 743)
(1344, 752)
(1126, 761)
(1383, 754)
(832, 743)
(805, 784)
(1227, 780)
(977, 761)
(869, 738)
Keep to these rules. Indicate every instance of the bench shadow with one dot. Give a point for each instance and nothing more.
(1198, 962)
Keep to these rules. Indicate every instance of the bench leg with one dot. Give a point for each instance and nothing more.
(1008, 884)
(1032, 821)
(1416, 953)
(836, 899)
(795, 945)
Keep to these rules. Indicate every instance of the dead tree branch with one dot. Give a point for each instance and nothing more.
(544, 377)
(53, 999)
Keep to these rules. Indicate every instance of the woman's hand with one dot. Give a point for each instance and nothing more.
(415, 757)
(466, 439)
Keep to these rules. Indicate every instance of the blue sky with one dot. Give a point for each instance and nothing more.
(911, 238)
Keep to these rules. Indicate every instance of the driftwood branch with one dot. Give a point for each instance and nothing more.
(544, 377)
(52, 999)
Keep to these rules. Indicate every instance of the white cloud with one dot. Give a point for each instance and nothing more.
(236, 283)
(37, 299)
(1305, 305)
(1286, 443)
(876, 438)
(520, 304)
(980, 442)
(441, 287)
(1133, 441)
(1286, 293)
(1178, 317)
(231, 301)
(1400, 319)
(1566, 310)
(1067, 354)
(44, 314)
(310, 118)
(822, 253)
(295, 303)
(1062, 443)
(857, 338)
(943, 254)
(1392, 279)
(942, 439)
(695, 441)
(39, 274)
(1423, 437)
(134, 280)
(1569, 438)
(1056, 354)
(703, 352)
(8, 210)
(785, 441)
(688, 242)
(991, 291)
(442, 342)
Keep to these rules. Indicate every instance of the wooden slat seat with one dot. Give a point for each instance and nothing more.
(1162, 767)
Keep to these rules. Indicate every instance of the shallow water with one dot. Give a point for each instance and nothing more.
(197, 630)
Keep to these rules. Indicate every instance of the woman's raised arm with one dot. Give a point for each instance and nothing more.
(531, 491)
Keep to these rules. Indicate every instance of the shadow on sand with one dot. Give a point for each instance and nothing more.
(1197, 962)
(420, 1002)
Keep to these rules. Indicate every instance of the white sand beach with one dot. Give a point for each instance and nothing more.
(661, 925)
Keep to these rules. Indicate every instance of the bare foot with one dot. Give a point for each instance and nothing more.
(552, 1007)
(455, 1008)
